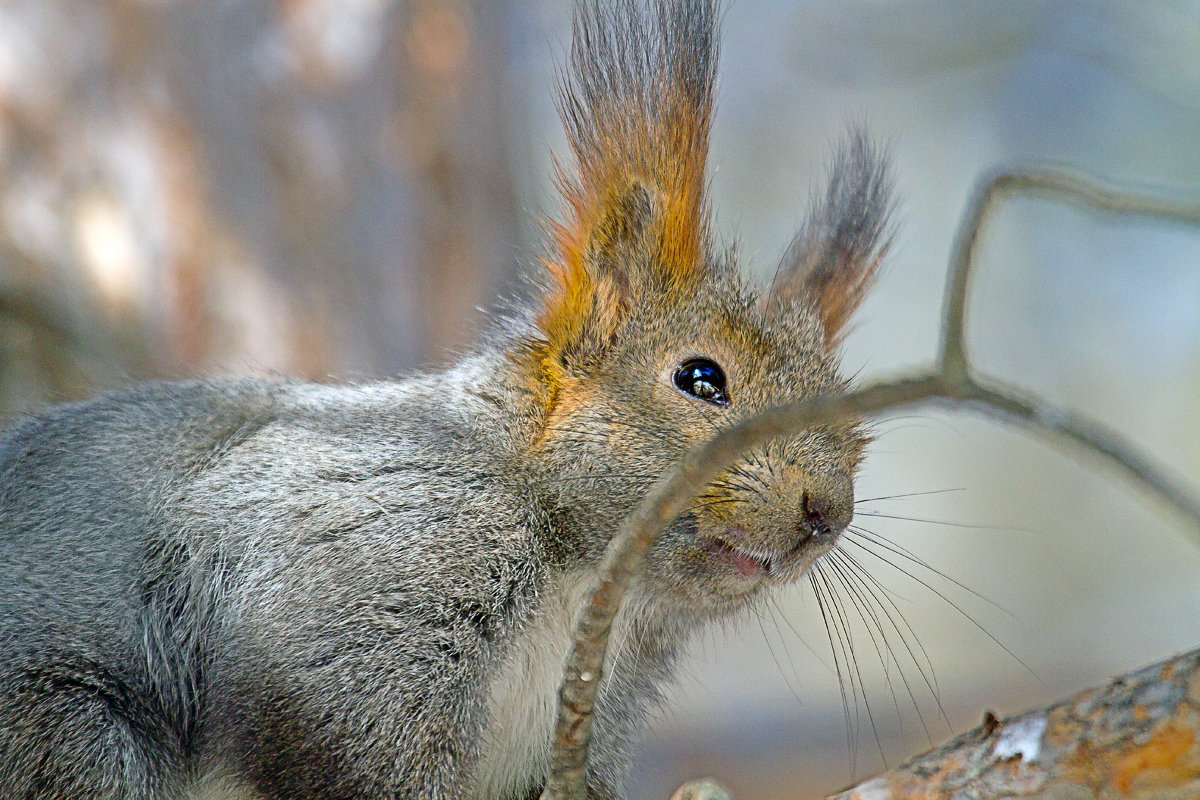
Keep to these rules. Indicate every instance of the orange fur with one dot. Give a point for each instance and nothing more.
(651, 137)
(840, 299)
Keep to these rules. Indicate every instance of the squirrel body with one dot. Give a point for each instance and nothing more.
(282, 528)
(255, 589)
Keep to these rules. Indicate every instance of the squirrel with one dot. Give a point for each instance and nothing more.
(244, 588)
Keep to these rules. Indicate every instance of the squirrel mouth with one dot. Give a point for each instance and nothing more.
(745, 564)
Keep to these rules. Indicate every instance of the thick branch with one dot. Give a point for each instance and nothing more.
(1136, 738)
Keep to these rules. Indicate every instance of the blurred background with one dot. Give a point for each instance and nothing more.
(330, 189)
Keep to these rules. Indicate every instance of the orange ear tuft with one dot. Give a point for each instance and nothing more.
(580, 316)
(637, 106)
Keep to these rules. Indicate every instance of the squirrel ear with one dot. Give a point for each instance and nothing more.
(636, 102)
(832, 262)
(594, 285)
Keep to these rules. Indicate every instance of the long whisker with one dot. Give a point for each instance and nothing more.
(708, 504)
(781, 614)
(906, 554)
(775, 658)
(963, 525)
(606, 476)
(816, 580)
(905, 495)
(871, 587)
(872, 625)
(955, 606)
(844, 621)
(930, 679)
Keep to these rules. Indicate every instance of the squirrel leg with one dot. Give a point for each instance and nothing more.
(351, 707)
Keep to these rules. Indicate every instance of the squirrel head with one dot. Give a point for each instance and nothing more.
(647, 341)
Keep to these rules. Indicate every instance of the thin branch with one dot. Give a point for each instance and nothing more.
(666, 498)
(951, 386)
(1046, 419)
(1058, 183)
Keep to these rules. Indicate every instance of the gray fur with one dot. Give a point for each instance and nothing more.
(306, 586)
(634, 70)
(846, 234)
(250, 590)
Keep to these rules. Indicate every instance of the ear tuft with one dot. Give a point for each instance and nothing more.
(833, 261)
(626, 217)
(637, 102)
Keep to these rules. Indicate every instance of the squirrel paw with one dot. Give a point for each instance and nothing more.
(703, 789)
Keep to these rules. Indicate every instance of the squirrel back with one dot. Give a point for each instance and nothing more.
(287, 590)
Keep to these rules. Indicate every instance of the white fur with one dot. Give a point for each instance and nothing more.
(218, 784)
(522, 702)
(523, 697)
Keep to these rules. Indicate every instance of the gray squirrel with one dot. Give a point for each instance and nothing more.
(269, 589)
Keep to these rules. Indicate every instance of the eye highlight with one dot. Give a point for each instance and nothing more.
(702, 379)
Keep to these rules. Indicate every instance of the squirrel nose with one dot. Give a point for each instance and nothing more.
(825, 513)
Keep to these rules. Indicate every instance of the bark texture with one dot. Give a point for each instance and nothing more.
(1136, 738)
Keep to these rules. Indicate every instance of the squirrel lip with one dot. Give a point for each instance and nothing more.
(745, 564)
(729, 551)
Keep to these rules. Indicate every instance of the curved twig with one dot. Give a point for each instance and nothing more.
(1055, 182)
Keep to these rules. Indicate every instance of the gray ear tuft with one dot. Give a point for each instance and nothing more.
(833, 261)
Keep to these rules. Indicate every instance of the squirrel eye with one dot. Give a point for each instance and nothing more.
(703, 379)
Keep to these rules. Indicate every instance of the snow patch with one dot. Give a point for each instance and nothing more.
(1022, 739)
(877, 789)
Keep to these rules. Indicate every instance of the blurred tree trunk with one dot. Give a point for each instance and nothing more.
(307, 187)
(456, 140)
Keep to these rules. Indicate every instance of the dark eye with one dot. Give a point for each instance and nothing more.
(702, 379)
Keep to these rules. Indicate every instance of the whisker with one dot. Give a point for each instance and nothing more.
(737, 485)
(852, 573)
(871, 624)
(775, 658)
(963, 525)
(930, 680)
(870, 586)
(908, 555)
(816, 579)
(953, 605)
(609, 476)
(906, 495)
(708, 504)
(781, 614)
(844, 621)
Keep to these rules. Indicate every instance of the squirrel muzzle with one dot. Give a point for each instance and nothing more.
(772, 532)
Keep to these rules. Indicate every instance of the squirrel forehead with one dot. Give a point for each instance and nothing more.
(730, 324)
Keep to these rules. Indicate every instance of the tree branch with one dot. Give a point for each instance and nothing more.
(1138, 737)
(1057, 183)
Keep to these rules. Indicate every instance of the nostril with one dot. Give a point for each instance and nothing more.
(814, 518)
(818, 524)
